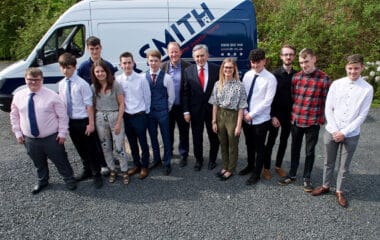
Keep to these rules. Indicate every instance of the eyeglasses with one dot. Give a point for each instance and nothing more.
(288, 54)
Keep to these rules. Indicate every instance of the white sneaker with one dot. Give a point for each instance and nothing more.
(105, 171)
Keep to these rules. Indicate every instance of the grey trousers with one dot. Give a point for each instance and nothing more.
(40, 149)
(348, 147)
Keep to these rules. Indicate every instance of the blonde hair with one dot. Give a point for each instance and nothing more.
(222, 79)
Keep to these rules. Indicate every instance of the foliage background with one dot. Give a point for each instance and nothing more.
(334, 29)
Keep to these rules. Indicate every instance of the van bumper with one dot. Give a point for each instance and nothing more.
(5, 102)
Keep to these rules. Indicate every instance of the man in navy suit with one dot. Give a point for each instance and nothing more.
(199, 82)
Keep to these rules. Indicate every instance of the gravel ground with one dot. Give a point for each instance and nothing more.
(188, 204)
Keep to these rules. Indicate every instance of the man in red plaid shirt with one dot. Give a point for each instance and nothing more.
(309, 91)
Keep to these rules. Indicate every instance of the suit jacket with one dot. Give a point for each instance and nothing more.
(194, 99)
(184, 65)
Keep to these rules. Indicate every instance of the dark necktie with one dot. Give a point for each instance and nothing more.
(68, 98)
(202, 77)
(32, 116)
(154, 76)
(251, 91)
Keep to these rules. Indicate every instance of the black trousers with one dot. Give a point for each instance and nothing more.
(86, 146)
(197, 126)
(311, 136)
(176, 116)
(255, 136)
(272, 136)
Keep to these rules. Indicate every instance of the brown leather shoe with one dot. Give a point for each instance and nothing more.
(133, 171)
(281, 172)
(144, 173)
(319, 191)
(341, 199)
(266, 174)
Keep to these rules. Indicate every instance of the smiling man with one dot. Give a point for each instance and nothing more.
(39, 121)
(347, 106)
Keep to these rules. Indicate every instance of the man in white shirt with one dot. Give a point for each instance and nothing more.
(347, 105)
(137, 106)
(260, 86)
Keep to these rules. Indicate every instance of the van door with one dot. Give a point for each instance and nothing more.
(70, 39)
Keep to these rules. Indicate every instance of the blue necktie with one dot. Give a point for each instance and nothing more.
(32, 116)
(68, 98)
(251, 91)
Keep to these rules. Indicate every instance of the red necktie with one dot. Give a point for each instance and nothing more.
(202, 77)
(154, 78)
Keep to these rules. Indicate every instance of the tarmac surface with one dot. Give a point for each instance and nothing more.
(189, 204)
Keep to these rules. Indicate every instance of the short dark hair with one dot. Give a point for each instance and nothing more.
(256, 55)
(33, 71)
(93, 41)
(356, 58)
(67, 59)
(126, 54)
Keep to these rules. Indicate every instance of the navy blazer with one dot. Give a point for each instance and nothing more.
(194, 99)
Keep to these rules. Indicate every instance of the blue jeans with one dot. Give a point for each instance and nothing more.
(160, 119)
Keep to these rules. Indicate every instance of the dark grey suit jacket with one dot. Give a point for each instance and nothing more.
(195, 100)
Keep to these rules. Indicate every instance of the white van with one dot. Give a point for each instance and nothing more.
(227, 27)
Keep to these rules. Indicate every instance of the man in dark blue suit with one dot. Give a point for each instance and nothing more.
(199, 82)
(175, 67)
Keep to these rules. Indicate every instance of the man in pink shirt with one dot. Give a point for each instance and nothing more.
(40, 122)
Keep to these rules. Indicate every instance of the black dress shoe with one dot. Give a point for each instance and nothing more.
(246, 170)
(183, 162)
(38, 188)
(167, 170)
(211, 165)
(220, 174)
(98, 182)
(156, 164)
(225, 178)
(72, 185)
(252, 180)
(197, 167)
(84, 176)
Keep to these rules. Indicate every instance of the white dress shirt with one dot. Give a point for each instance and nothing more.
(136, 92)
(81, 96)
(347, 105)
(262, 95)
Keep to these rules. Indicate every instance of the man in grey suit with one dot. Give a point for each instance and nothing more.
(175, 67)
(199, 82)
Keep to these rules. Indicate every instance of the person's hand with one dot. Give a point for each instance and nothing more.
(60, 140)
(21, 140)
(247, 118)
(215, 127)
(275, 122)
(117, 128)
(89, 129)
(338, 137)
(187, 118)
(237, 131)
